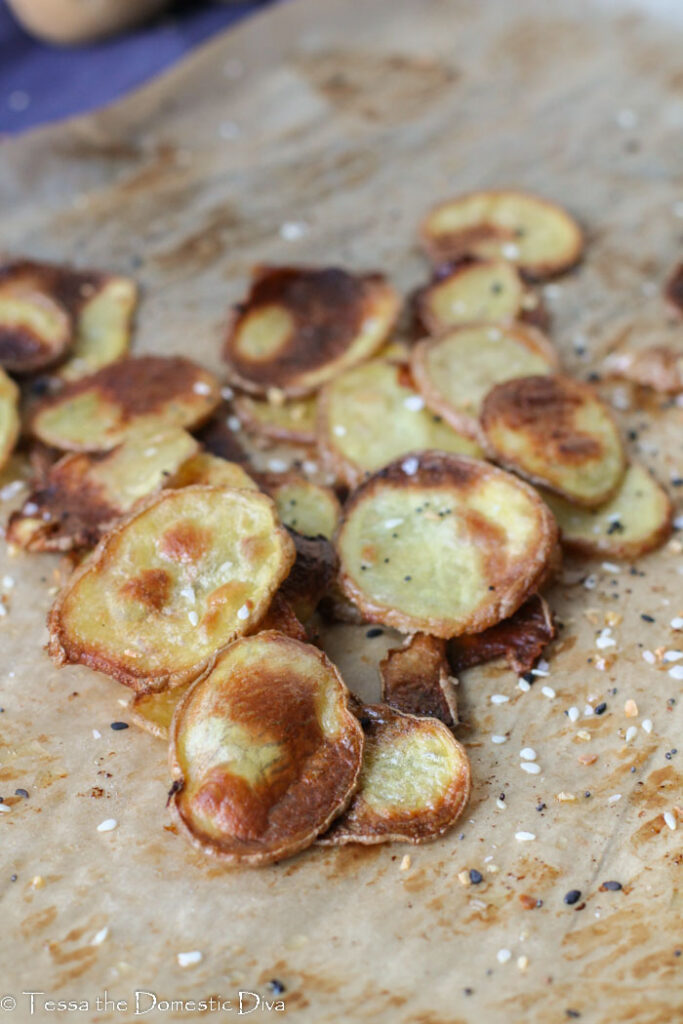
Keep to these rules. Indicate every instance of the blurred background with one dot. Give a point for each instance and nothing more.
(64, 57)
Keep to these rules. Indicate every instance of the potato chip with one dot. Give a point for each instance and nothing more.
(312, 574)
(36, 327)
(659, 367)
(265, 751)
(103, 325)
(308, 508)
(636, 520)
(443, 544)
(369, 416)
(84, 494)
(292, 421)
(536, 235)
(9, 417)
(416, 679)
(96, 412)
(299, 327)
(171, 586)
(455, 371)
(218, 438)
(556, 432)
(521, 640)
(204, 468)
(414, 782)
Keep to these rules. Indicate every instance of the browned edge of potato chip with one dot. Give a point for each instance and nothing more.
(673, 289)
(324, 312)
(659, 367)
(301, 789)
(366, 824)
(435, 469)
(520, 639)
(314, 570)
(417, 680)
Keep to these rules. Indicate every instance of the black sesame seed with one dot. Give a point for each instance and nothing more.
(647, 618)
(276, 987)
(587, 793)
(677, 481)
(541, 807)
(668, 755)
(502, 796)
(476, 876)
(529, 677)
(572, 1013)
(468, 991)
(600, 709)
(21, 792)
(407, 578)
(616, 526)
(611, 886)
(118, 726)
(375, 631)
(573, 896)
(13, 878)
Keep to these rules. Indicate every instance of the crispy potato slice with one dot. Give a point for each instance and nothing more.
(96, 412)
(204, 468)
(36, 326)
(300, 326)
(312, 574)
(264, 751)
(636, 520)
(414, 783)
(369, 416)
(443, 544)
(103, 326)
(9, 416)
(659, 367)
(308, 508)
(292, 421)
(521, 640)
(475, 291)
(533, 233)
(171, 585)
(673, 290)
(455, 371)
(416, 679)
(556, 432)
(84, 493)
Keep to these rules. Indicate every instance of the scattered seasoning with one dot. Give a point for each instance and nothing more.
(108, 825)
(614, 798)
(677, 622)
(524, 685)
(670, 820)
(21, 792)
(118, 726)
(243, 612)
(528, 754)
(499, 698)
(573, 896)
(476, 877)
(541, 807)
(13, 878)
(498, 739)
(530, 767)
(503, 955)
(405, 862)
(548, 692)
(275, 986)
(572, 1013)
(524, 837)
(574, 714)
(188, 959)
(649, 657)
(610, 886)
(676, 672)
(600, 709)
(647, 725)
(99, 937)
(587, 759)
(647, 618)
(372, 633)
(631, 733)
(96, 734)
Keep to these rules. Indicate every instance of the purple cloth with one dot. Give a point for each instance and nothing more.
(40, 83)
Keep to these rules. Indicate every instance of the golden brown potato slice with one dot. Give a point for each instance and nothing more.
(9, 416)
(103, 323)
(299, 327)
(369, 416)
(264, 751)
(308, 508)
(673, 290)
(556, 432)
(521, 640)
(455, 371)
(414, 783)
(659, 367)
(312, 574)
(536, 235)
(475, 291)
(84, 494)
(443, 544)
(171, 585)
(36, 326)
(636, 520)
(292, 421)
(204, 468)
(416, 679)
(96, 412)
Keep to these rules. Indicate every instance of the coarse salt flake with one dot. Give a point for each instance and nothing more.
(670, 820)
(548, 692)
(410, 466)
(503, 955)
(414, 403)
(676, 672)
(108, 825)
(524, 837)
(498, 739)
(530, 767)
(647, 724)
(528, 754)
(243, 612)
(631, 733)
(188, 959)
(499, 698)
(99, 937)
(573, 714)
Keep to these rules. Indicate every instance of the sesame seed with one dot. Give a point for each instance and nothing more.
(530, 767)
(188, 959)
(528, 754)
(8, 582)
(611, 886)
(548, 692)
(414, 403)
(339, 430)
(503, 955)
(670, 820)
(509, 251)
(647, 725)
(573, 714)
(524, 837)
(614, 798)
(194, 618)
(391, 524)
(590, 582)
(277, 465)
(600, 708)
(99, 937)
(108, 825)
(522, 962)
(373, 632)
(476, 877)
(499, 698)
(243, 612)
(234, 423)
(500, 804)
(498, 739)
(4, 809)
(673, 655)
(571, 897)
(96, 734)
(677, 622)
(631, 709)
(631, 733)
(524, 685)
(676, 672)
(649, 657)
(189, 594)
(118, 726)
(227, 393)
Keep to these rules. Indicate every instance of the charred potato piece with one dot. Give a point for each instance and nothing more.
(36, 328)
(636, 520)
(103, 325)
(416, 679)
(443, 544)
(673, 290)
(536, 235)
(264, 751)
(455, 371)
(659, 367)
(556, 432)
(9, 417)
(292, 421)
(414, 783)
(204, 468)
(521, 640)
(370, 415)
(171, 585)
(308, 508)
(312, 574)
(218, 438)
(95, 413)
(84, 494)
(300, 326)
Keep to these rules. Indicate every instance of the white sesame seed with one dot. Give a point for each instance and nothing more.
(96, 734)
(649, 657)
(391, 524)
(670, 820)
(540, 672)
(590, 582)
(611, 567)
(614, 798)
(503, 955)
(587, 711)
(243, 612)
(528, 754)
(277, 465)
(631, 733)
(292, 230)
(548, 692)
(498, 739)
(676, 672)
(405, 862)
(414, 403)
(108, 825)
(530, 767)
(524, 837)
(673, 655)
(4, 809)
(188, 959)
(522, 962)
(188, 593)
(410, 466)
(499, 698)
(339, 430)
(234, 423)
(524, 685)
(647, 725)
(573, 714)
(3, 611)
(201, 387)
(500, 804)
(194, 618)
(677, 622)
(99, 937)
